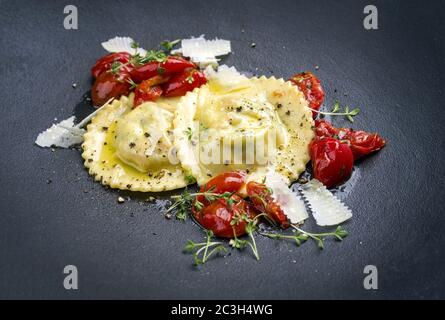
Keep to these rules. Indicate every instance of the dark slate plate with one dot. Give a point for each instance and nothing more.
(395, 74)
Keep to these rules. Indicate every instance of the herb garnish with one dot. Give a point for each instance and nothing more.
(135, 45)
(190, 179)
(189, 133)
(201, 253)
(251, 227)
(168, 45)
(115, 67)
(190, 79)
(336, 111)
(132, 84)
(183, 202)
(301, 236)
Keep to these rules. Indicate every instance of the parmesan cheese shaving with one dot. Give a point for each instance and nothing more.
(63, 134)
(225, 76)
(290, 202)
(202, 51)
(326, 208)
(122, 44)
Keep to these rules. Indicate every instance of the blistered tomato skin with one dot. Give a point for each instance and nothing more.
(149, 90)
(263, 201)
(361, 142)
(217, 216)
(184, 82)
(146, 94)
(107, 86)
(225, 182)
(311, 87)
(332, 161)
(173, 65)
(104, 64)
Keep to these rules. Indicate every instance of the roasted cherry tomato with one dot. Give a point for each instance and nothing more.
(172, 65)
(361, 142)
(225, 182)
(311, 87)
(142, 94)
(332, 161)
(325, 129)
(149, 90)
(218, 215)
(263, 201)
(182, 83)
(104, 64)
(109, 85)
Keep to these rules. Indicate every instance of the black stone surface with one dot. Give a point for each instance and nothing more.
(395, 74)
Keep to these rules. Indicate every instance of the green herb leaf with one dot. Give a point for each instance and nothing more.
(201, 253)
(115, 67)
(336, 111)
(189, 133)
(190, 246)
(301, 236)
(135, 45)
(354, 112)
(190, 79)
(168, 45)
(190, 179)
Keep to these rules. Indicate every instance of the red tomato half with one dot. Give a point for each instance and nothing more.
(225, 182)
(186, 81)
(311, 87)
(104, 64)
(218, 215)
(332, 161)
(149, 90)
(262, 200)
(109, 85)
(172, 65)
(361, 142)
(142, 95)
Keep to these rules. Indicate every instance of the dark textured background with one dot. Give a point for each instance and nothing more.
(395, 74)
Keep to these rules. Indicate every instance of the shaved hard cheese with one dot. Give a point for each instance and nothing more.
(326, 208)
(202, 51)
(290, 202)
(63, 134)
(226, 76)
(122, 44)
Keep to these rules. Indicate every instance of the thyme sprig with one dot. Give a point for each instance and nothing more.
(251, 228)
(138, 59)
(338, 111)
(168, 45)
(189, 133)
(302, 236)
(204, 250)
(183, 202)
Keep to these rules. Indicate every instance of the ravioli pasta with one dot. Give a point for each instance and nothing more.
(259, 125)
(253, 110)
(128, 148)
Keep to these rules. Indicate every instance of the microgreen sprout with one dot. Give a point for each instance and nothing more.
(189, 133)
(168, 45)
(183, 202)
(204, 250)
(336, 111)
(301, 236)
